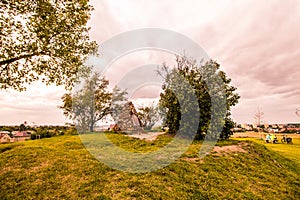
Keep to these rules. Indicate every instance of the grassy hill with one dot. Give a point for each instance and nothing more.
(61, 168)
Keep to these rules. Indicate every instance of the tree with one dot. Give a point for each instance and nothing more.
(148, 115)
(22, 127)
(175, 91)
(118, 105)
(90, 104)
(43, 39)
(259, 115)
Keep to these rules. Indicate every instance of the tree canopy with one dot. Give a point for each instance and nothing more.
(174, 92)
(148, 115)
(88, 105)
(43, 39)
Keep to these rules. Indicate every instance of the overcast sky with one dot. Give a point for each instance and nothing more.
(256, 42)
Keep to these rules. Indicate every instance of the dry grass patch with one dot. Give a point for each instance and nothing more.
(230, 149)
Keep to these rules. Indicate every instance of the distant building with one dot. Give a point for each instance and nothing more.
(281, 126)
(247, 127)
(266, 125)
(4, 132)
(4, 137)
(21, 135)
(293, 129)
(293, 125)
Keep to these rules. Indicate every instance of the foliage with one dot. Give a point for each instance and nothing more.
(22, 127)
(148, 115)
(174, 91)
(289, 131)
(227, 130)
(118, 105)
(71, 131)
(42, 133)
(43, 39)
(90, 104)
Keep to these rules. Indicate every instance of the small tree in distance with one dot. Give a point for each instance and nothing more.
(22, 127)
(259, 115)
(148, 115)
(88, 105)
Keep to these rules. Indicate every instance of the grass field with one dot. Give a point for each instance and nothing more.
(61, 168)
(287, 150)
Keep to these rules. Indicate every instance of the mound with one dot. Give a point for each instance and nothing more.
(61, 168)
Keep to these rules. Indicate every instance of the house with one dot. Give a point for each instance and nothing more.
(4, 137)
(247, 127)
(21, 135)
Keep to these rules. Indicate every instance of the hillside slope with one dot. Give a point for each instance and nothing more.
(61, 168)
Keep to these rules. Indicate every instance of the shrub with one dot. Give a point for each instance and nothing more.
(71, 131)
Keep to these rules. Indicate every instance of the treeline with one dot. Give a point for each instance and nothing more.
(40, 132)
(47, 132)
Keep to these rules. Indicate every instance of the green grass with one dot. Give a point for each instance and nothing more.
(61, 168)
(287, 150)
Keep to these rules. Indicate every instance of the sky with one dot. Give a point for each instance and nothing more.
(256, 43)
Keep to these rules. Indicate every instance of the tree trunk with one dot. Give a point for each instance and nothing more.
(92, 127)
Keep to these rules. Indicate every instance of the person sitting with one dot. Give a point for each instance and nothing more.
(289, 140)
(283, 138)
(275, 140)
(268, 138)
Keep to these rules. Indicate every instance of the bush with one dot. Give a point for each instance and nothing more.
(289, 131)
(71, 131)
(42, 133)
(61, 133)
(33, 136)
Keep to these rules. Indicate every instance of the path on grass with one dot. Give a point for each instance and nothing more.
(150, 136)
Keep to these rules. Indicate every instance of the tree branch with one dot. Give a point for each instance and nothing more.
(11, 60)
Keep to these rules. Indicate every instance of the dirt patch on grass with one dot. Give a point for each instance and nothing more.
(222, 150)
(218, 151)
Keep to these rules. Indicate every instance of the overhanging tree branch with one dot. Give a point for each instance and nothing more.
(11, 60)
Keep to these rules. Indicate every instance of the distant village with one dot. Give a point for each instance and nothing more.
(268, 128)
(14, 136)
(31, 132)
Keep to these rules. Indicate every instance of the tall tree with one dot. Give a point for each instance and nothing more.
(88, 105)
(259, 115)
(45, 39)
(174, 90)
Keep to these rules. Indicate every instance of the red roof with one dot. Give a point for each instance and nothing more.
(21, 134)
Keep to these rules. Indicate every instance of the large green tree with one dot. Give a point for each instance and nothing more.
(175, 91)
(43, 39)
(90, 104)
